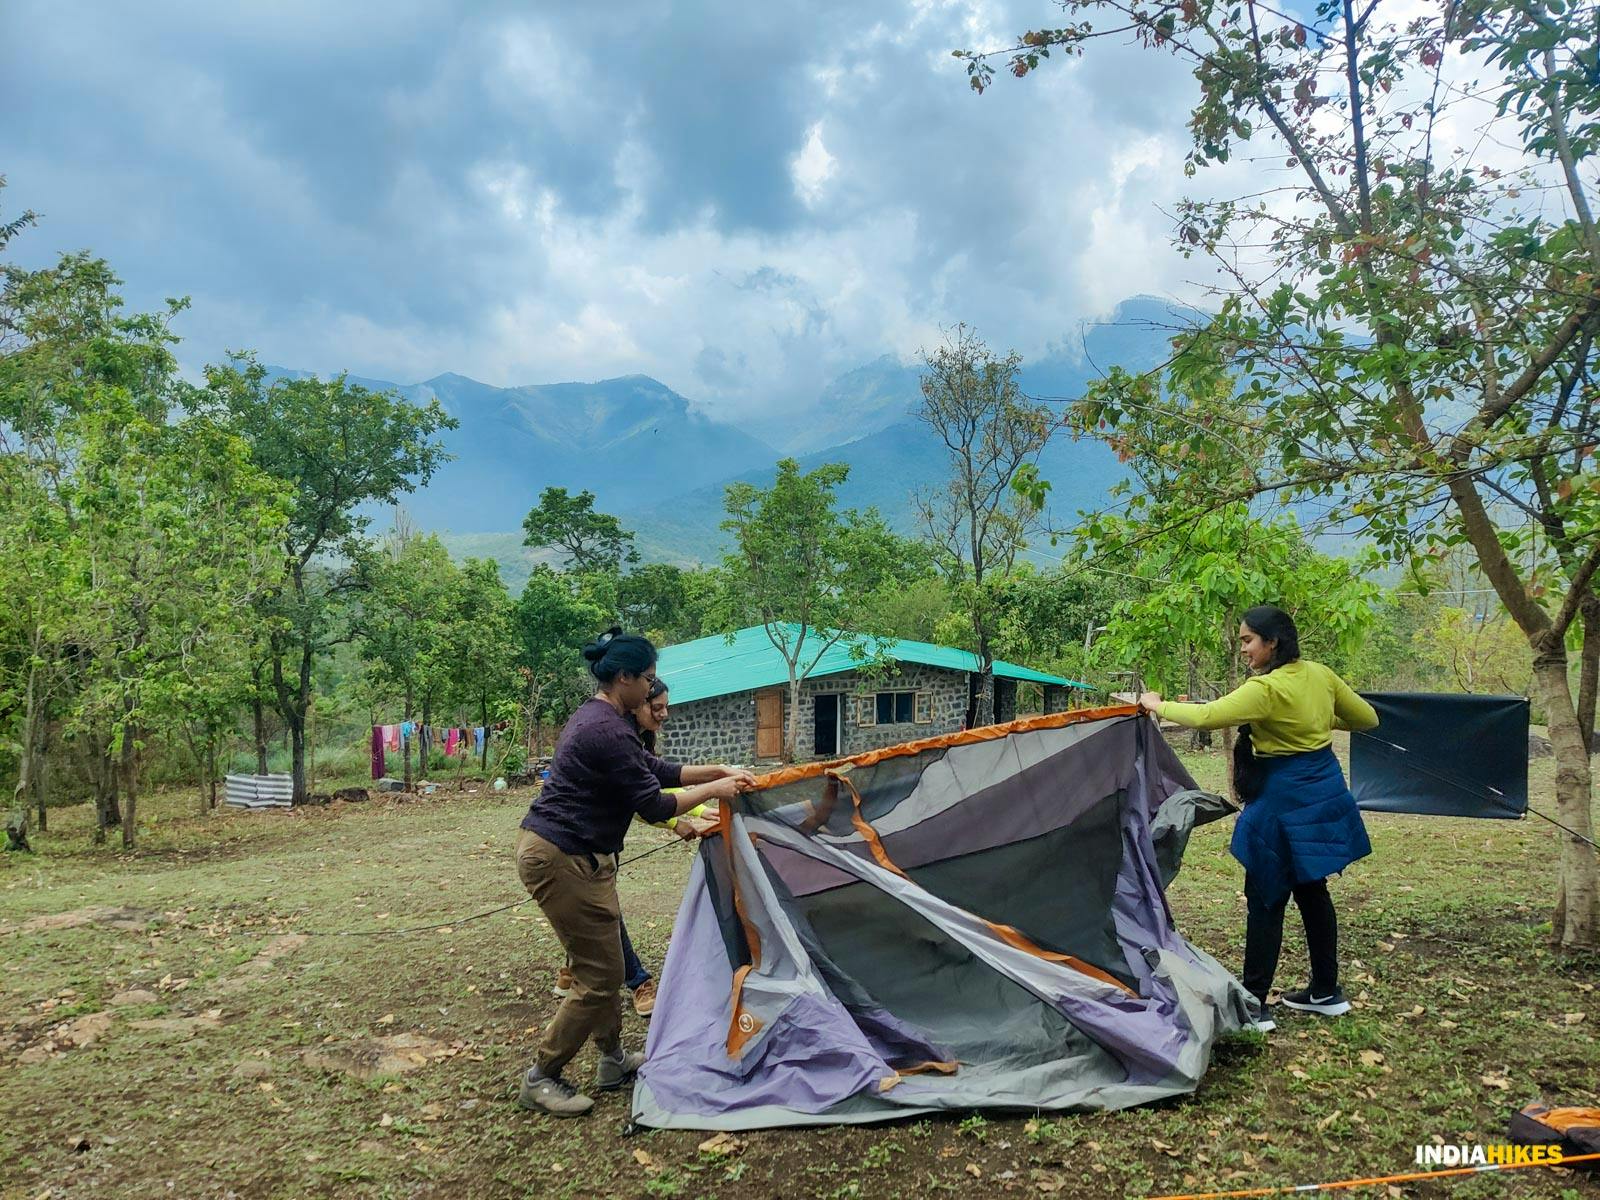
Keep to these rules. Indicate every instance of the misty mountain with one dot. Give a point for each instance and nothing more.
(661, 466)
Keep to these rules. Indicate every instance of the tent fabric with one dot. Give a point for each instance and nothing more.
(1443, 755)
(718, 666)
(978, 922)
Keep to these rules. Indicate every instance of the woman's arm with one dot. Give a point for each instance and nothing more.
(721, 790)
(1350, 711)
(1250, 701)
(710, 772)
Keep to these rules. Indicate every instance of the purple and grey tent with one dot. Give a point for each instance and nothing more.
(970, 921)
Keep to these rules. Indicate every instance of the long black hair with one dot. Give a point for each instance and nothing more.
(616, 653)
(1271, 624)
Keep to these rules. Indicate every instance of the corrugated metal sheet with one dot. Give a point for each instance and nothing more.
(713, 666)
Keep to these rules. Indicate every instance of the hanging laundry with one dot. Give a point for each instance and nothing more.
(477, 740)
(452, 740)
(378, 765)
(391, 737)
(407, 728)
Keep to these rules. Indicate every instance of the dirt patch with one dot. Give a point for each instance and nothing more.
(397, 1054)
(264, 962)
(134, 996)
(33, 1045)
(182, 1026)
(105, 915)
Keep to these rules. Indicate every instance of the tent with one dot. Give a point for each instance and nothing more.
(970, 921)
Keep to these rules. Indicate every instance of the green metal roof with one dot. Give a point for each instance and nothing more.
(711, 666)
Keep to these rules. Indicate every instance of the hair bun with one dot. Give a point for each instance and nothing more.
(596, 650)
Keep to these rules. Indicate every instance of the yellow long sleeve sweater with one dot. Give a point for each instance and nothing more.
(1290, 710)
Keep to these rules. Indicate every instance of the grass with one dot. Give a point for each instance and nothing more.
(1462, 1017)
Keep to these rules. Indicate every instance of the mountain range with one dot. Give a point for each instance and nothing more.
(651, 458)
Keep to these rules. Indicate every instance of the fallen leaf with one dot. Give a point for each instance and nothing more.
(1170, 1151)
(1574, 1018)
(1370, 1058)
(975, 1170)
(78, 1143)
(1449, 1025)
(1497, 1081)
(1329, 1119)
(432, 1111)
(642, 1157)
(1259, 1137)
(386, 1019)
(722, 1143)
(385, 1121)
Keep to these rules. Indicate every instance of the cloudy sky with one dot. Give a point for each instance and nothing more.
(743, 200)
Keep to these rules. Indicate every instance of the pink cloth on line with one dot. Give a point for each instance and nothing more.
(452, 740)
(391, 737)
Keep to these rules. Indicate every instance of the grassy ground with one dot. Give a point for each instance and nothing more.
(182, 1044)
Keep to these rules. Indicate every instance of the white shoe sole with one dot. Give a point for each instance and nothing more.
(1322, 1010)
(1263, 1026)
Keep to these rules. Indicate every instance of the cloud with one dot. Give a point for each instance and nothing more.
(744, 201)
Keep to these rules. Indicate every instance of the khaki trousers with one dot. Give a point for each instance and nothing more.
(579, 898)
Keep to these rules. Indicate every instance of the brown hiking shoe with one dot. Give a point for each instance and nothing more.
(552, 1094)
(644, 998)
(564, 983)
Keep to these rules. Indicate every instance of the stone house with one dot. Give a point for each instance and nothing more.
(729, 703)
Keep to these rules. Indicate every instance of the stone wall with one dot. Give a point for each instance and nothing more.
(723, 728)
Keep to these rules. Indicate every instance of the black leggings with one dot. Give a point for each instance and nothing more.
(1263, 939)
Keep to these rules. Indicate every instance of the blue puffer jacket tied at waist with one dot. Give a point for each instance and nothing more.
(1303, 826)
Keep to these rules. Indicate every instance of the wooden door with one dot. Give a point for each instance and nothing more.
(769, 724)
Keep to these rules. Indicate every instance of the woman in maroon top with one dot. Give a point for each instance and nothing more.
(600, 778)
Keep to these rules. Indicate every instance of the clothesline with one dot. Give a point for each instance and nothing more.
(454, 739)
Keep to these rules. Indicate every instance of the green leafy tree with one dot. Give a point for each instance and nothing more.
(340, 449)
(482, 643)
(588, 540)
(406, 625)
(556, 614)
(655, 599)
(807, 569)
(1415, 327)
(978, 521)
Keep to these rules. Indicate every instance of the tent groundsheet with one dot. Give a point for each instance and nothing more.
(972, 921)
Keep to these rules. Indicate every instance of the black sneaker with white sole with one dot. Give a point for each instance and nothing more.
(1259, 1020)
(1333, 1004)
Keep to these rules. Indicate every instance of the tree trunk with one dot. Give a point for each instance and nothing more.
(1576, 922)
(41, 770)
(130, 781)
(425, 737)
(297, 727)
(17, 821)
(405, 742)
(1589, 668)
(211, 771)
(1199, 739)
(483, 715)
(791, 738)
(259, 714)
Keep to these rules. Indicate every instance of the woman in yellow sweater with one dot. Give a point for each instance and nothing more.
(1300, 824)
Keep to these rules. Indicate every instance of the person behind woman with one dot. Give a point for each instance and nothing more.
(600, 777)
(1300, 824)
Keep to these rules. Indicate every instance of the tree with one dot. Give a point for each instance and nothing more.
(1415, 326)
(590, 540)
(340, 449)
(807, 569)
(978, 521)
(406, 624)
(482, 642)
(659, 600)
(556, 614)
